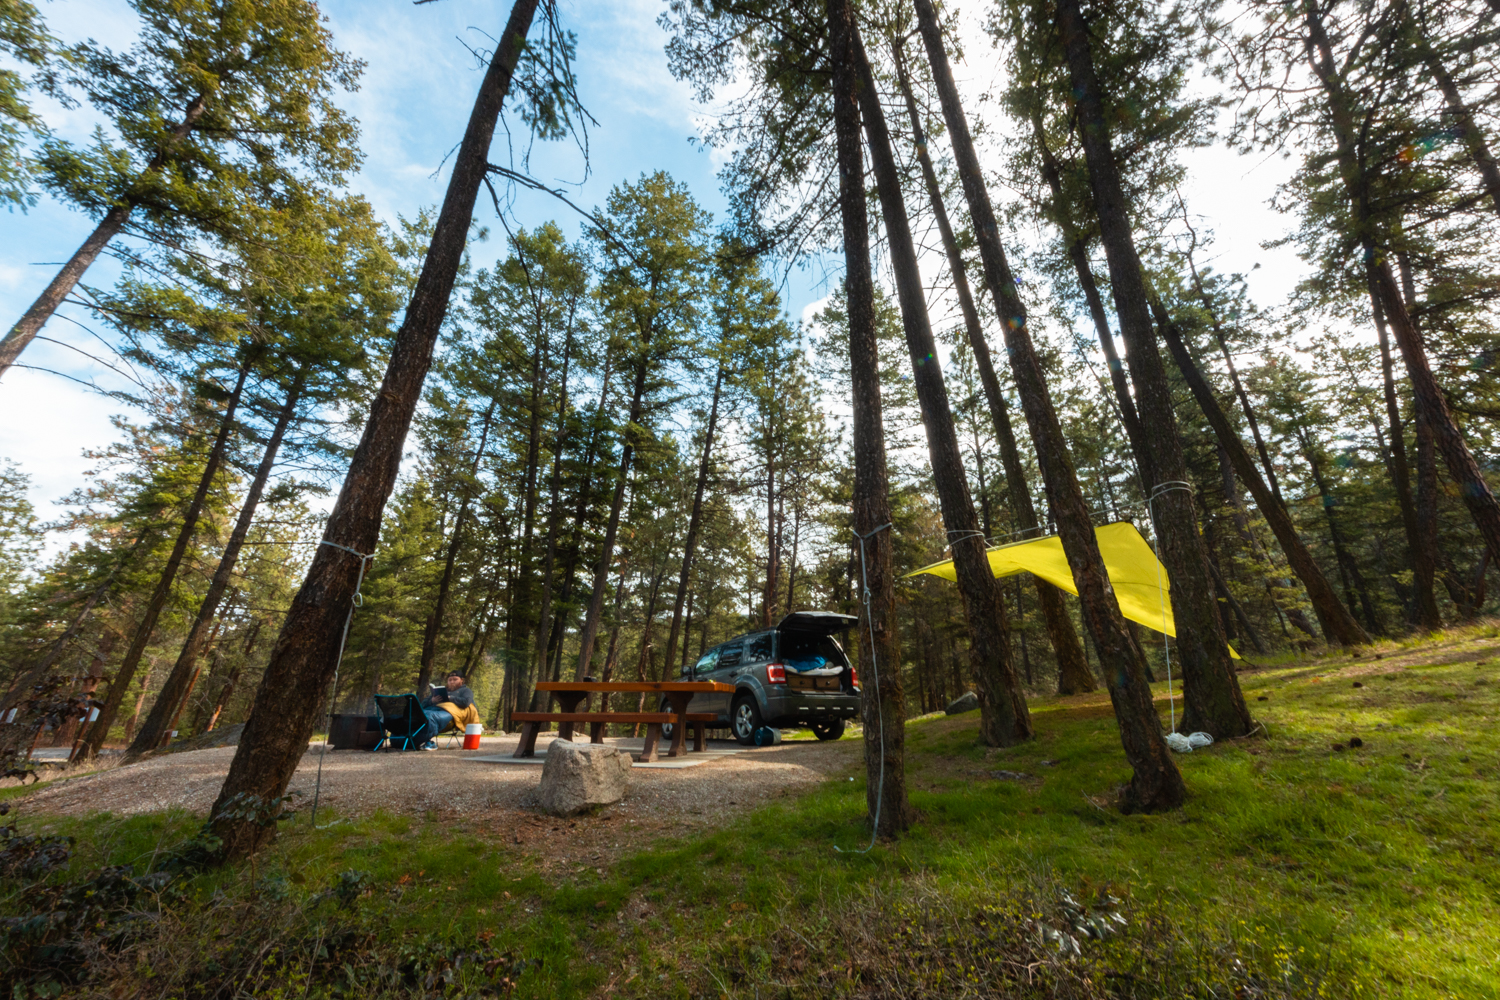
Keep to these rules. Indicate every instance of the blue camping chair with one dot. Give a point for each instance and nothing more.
(401, 721)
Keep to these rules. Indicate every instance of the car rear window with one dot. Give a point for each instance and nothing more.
(762, 648)
(804, 645)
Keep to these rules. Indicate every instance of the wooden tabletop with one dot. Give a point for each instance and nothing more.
(617, 687)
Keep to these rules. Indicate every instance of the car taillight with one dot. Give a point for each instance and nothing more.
(775, 673)
(854, 678)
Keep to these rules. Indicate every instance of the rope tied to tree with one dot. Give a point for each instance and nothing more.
(962, 534)
(1161, 586)
(864, 578)
(357, 601)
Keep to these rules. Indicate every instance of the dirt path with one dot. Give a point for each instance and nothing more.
(494, 799)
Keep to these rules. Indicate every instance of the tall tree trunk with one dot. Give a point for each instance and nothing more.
(612, 527)
(1431, 405)
(690, 542)
(174, 692)
(1463, 118)
(1211, 693)
(884, 714)
(1337, 621)
(1078, 255)
(93, 739)
(539, 657)
(1073, 674)
(1242, 528)
(1234, 373)
(1419, 519)
(539, 651)
(434, 626)
(1424, 610)
(55, 649)
(521, 608)
(306, 652)
(773, 568)
(1004, 718)
(57, 290)
(134, 716)
(227, 690)
(1156, 783)
(1328, 501)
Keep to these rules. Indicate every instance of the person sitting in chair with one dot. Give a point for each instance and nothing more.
(449, 707)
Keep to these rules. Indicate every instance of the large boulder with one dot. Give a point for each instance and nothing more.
(966, 702)
(579, 777)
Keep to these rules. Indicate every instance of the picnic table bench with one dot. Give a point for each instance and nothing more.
(570, 694)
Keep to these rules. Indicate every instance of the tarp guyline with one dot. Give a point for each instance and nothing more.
(1133, 569)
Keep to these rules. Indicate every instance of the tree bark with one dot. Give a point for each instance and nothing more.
(554, 512)
(94, 737)
(1431, 405)
(1424, 609)
(175, 691)
(1004, 719)
(1211, 691)
(304, 658)
(1077, 245)
(32, 321)
(883, 708)
(690, 542)
(1337, 621)
(434, 626)
(590, 630)
(1073, 674)
(1156, 783)
(520, 604)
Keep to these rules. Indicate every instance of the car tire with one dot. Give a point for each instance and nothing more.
(666, 727)
(830, 730)
(744, 719)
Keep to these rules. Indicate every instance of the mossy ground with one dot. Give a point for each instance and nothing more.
(1366, 871)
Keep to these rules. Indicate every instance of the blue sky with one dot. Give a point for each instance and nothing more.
(413, 103)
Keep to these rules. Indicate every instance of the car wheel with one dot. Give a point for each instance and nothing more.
(830, 730)
(666, 727)
(744, 718)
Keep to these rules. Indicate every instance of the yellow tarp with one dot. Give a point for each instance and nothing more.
(1144, 596)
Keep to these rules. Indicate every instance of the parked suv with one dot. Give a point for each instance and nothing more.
(779, 680)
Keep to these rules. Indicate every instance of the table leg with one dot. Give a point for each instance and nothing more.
(698, 736)
(569, 701)
(679, 701)
(527, 746)
(653, 737)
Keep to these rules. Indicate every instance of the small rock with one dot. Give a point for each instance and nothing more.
(1356, 742)
(966, 702)
(1358, 684)
(1051, 763)
(579, 777)
(1379, 656)
(1354, 655)
(1263, 698)
(1338, 748)
(1010, 775)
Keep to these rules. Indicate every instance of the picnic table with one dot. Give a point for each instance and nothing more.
(570, 694)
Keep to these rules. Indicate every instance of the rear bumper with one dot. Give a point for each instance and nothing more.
(784, 708)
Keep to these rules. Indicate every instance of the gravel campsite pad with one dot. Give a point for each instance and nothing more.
(487, 797)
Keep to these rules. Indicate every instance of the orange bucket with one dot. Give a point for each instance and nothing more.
(471, 735)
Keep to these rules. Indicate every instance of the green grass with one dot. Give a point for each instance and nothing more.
(1354, 872)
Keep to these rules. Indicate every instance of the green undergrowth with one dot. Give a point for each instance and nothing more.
(1297, 868)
